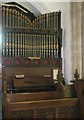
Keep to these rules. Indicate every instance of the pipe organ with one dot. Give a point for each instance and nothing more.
(31, 50)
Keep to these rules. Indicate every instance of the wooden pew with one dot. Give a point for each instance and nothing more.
(49, 103)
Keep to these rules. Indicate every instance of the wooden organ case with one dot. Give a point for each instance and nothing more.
(31, 49)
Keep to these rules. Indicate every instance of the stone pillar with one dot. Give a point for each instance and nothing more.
(82, 39)
(76, 42)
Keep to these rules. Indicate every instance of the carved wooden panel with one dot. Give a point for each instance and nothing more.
(22, 114)
(68, 112)
(45, 113)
